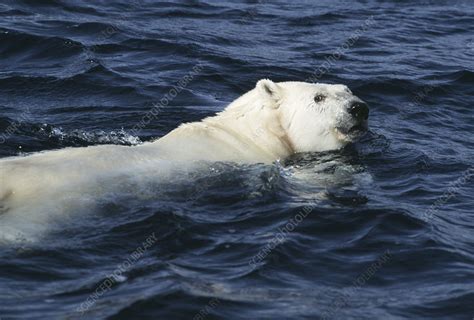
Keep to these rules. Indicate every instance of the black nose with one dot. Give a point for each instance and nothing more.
(359, 110)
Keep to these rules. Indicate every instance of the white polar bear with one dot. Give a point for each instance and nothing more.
(273, 121)
(270, 122)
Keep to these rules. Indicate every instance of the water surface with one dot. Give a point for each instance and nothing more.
(381, 229)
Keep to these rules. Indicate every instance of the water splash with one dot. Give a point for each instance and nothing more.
(120, 137)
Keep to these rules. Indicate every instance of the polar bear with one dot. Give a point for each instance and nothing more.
(273, 121)
(270, 122)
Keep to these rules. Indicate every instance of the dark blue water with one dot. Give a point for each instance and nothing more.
(383, 229)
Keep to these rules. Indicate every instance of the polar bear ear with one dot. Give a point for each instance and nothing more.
(270, 89)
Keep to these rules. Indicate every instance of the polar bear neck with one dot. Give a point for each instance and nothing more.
(255, 123)
(248, 130)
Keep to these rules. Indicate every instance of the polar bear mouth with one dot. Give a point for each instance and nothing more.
(358, 129)
(352, 133)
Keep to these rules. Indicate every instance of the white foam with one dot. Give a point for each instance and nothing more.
(120, 137)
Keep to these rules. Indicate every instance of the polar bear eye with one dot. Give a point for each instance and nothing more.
(319, 98)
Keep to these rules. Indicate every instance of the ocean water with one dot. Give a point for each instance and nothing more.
(383, 229)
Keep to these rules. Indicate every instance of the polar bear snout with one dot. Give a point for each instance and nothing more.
(359, 110)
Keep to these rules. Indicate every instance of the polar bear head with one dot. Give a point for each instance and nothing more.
(315, 117)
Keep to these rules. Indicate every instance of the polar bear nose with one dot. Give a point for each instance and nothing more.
(359, 110)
